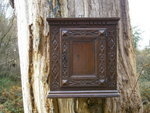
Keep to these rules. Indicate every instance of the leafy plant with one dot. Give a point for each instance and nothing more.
(136, 35)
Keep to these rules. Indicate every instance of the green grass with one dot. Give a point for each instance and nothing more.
(6, 82)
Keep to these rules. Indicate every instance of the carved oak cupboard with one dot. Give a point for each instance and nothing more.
(83, 57)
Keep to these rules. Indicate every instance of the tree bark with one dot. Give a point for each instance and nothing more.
(33, 42)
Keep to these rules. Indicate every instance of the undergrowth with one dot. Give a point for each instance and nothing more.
(10, 95)
(145, 93)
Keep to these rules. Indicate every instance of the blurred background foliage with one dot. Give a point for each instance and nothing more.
(143, 68)
(10, 82)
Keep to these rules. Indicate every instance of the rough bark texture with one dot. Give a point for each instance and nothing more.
(33, 40)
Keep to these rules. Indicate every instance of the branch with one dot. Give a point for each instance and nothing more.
(6, 32)
(11, 2)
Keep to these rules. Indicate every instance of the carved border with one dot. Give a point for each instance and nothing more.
(54, 58)
(112, 57)
(97, 34)
(82, 21)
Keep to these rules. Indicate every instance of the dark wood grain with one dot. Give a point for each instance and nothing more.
(83, 58)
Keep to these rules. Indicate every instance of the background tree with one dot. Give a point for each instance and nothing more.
(8, 43)
(33, 40)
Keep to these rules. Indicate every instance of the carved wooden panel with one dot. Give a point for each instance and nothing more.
(83, 57)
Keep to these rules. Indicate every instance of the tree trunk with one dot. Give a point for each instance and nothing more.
(33, 41)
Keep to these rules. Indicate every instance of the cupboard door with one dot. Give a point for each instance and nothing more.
(83, 57)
